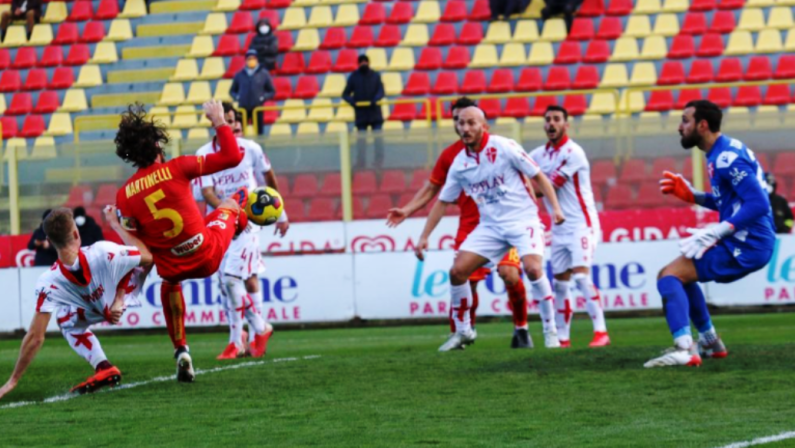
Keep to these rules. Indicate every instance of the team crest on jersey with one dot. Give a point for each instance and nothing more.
(491, 154)
(711, 170)
(110, 256)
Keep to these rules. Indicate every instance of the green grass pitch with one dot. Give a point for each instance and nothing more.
(389, 387)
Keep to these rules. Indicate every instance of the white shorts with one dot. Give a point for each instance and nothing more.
(243, 259)
(494, 242)
(573, 250)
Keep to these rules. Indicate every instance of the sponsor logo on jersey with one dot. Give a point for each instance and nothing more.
(486, 185)
(217, 223)
(711, 170)
(737, 176)
(190, 246)
(95, 295)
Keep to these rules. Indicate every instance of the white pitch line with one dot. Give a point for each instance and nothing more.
(159, 379)
(763, 440)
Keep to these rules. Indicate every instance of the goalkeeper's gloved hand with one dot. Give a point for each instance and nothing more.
(678, 186)
(701, 240)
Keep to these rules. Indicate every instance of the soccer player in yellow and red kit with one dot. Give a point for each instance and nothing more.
(156, 204)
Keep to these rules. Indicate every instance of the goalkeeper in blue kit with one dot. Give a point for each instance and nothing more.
(741, 243)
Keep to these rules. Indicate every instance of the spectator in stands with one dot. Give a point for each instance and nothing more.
(365, 86)
(89, 230)
(46, 255)
(27, 10)
(504, 8)
(782, 214)
(266, 44)
(252, 87)
(566, 7)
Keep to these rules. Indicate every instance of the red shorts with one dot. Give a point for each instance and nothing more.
(205, 251)
(510, 259)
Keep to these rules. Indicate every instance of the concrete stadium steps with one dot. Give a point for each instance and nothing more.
(123, 99)
(142, 75)
(181, 6)
(170, 51)
(169, 29)
(110, 173)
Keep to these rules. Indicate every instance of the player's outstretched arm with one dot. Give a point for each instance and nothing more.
(212, 199)
(395, 216)
(111, 216)
(436, 214)
(31, 344)
(678, 186)
(548, 190)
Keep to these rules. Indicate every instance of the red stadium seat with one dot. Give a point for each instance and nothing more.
(106, 194)
(10, 81)
(284, 88)
(786, 67)
(364, 183)
(682, 47)
(286, 42)
(501, 81)
(423, 115)
(759, 69)
(235, 65)
(661, 165)
(304, 186)
(47, 103)
(702, 5)
(278, 4)
(307, 88)
(558, 79)
(402, 13)
(598, 51)
(403, 112)
(296, 210)
(731, 4)
(685, 96)
(672, 73)
(491, 106)
(517, 108)
(700, 72)
(660, 101)
(730, 70)
(569, 52)
(761, 157)
(582, 29)
(454, 11)
(284, 184)
(619, 8)
(711, 46)
(93, 32)
(321, 209)
(67, 34)
(346, 61)
(591, 8)
(457, 58)
(5, 59)
(529, 80)
(575, 104)
(443, 35)
(430, 59)
(319, 62)
(332, 185)
(474, 82)
(271, 15)
(334, 39)
(21, 104)
(228, 45)
(107, 10)
(418, 179)
(10, 127)
(722, 96)
(52, 57)
(419, 83)
(81, 11)
(649, 196)
(270, 116)
(379, 206)
(241, 23)
(619, 196)
(292, 64)
(446, 83)
(785, 164)
(695, 23)
(587, 78)
(471, 34)
(63, 78)
(36, 80)
(26, 58)
(32, 127)
(541, 103)
(357, 204)
(79, 195)
(252, 5)
(722, 22)
(362, 37)
(748, 96)
(777, 95)
(610, 28)
(480, 11)
(392, 182)
(374, 14)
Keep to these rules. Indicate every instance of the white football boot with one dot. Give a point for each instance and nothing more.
(551, 340)
(185, 372)
(676, 356)
(458, 341)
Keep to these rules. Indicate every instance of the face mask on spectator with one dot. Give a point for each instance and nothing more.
(364, 68)
(264, 29)
(80, 220)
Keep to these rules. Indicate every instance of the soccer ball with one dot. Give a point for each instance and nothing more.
(265, 206)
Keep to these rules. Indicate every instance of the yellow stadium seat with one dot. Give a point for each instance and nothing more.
(16, 36)
(105, 53)
(638, 26)
(643, 74)
(294, 19)
(74, 101)
(419, 124)
(636, 101)
(526, 31)
(541, 53)
(320, 17)
(173, 94)
(308, 129)
(334, 84)
(319, 112)
(222, 90)
(676, 5)
(531, 12)
(498, 33)
(19, 145)
(789, 44)
(280, 129)
(615, 75)
(187, 70)
(44, 148)
(199, 93)
(308, 40)
(751, 19)
(198, 134)
(133, 9)
(347, 15)
(602, 103)
(759, 3)
(513, 55)
(213, 68)
(215, 23)
(227, 5)
(402, 60)
(345, 113)
(780, 18)
(377, 57)
(428, 11)
(554, 30)
(42, 35)
(485, 56)
(393, 83)
(90, 76)
(654, 47)
(56, 12)
(2, 104)
(769, 41)
(161, 114)
(666, 25)
(647, 7)
(201, 47)
(393, 125)
(305, 3)
(60, 124)
(296, 115)
(626, 49)
(185, 117)
(336, 127)
(416, 35)
(5, 7)
(120, 30)
(740, 42)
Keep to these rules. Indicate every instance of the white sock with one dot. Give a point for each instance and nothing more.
(542, 293)
(709, 336)
(684, 342)
(256, 297)
(461, 301)
(563, 310)
(586, 287)
(235, 304)
(256, 324)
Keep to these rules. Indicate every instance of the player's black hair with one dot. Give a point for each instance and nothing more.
(228, 107)
(463, 103)
(556, 108)
(140, 139)
(708, 111)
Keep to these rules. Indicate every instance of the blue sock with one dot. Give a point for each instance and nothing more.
(698, 307)
(675, 304)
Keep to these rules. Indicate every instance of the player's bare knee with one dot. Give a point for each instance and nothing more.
(534, 271)
(509, 275)
(458, 276)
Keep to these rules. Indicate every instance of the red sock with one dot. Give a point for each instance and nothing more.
(475, 302)
(517, 296)
(174, 312)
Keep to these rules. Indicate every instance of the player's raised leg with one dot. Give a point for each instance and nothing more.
(461, 299)
(74, 326)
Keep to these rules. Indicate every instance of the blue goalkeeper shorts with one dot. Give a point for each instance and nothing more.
(720, 266)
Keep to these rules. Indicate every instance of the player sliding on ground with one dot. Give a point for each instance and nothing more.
(509, 268)
(156, 204)
(491, 170)
(85, 286)
(741, 243)
(574, 242)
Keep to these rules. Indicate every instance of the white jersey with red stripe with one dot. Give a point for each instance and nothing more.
(249, 173)
(494, 178)
(569, 171)
(104, 267)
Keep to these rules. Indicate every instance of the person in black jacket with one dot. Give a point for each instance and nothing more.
(504, 8)
(46, 255)
(365, 86)
(782, 214)
(566, 7)
(252, 86)
(266, 44)
(27, 10)
(89, 230)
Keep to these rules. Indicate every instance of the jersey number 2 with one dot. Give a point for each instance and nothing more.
(164, 213)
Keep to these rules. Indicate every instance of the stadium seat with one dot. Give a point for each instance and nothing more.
(236, 63)
(722, 22)
(457, 58)
(769, 41)
(378, 59)
(42, 35)
(554, 30)
(711, 46)
(643, 74)
(672, 73)
(52, 56)
(284, 88)
(540, 105)
(647, 7)
(362, 37)
(403, 112)
(292, 64)
(74, 101)
(759, 69)
(638, 26)
(529, 80)
(104, 53)
(587, 77)
(703, 5)
(67, 34)
(695, 23)
(321, 17)
(591, 8)
(402, 59)
(602, 103)
(541, 53)
(619, 197)
(730, 70)
(649, 196)
(346, 61)
(16, 36)
(777, 95)
(374, 14)
(379, 206)
(480, 11)
(186, 70)
(576, 105)
(321, 209)
(780, 18)
(332, 185)
(785, 68)
(25, 58)
(93, 32)
(660, 101)
(319, 62)
(416, 36)
(526, 32)
(516, 108)
(660, 165)
(392, 182)
(44, 148)
(294, 18)
(789, 45)
(10, 81)
(418, 84)
(748, 96)
(582, 29)
(430, 59)
(21, 104)
(654, 47)
(443, 35)
(682, 47)
(666, 25)
(615, 75)
(492, 107)
(202, 47)
(501, 81)
(107, 10)
(213, 68)
(454, 11)
(306, 88)
(740, 43)
(333, 39)
(610, 28)
(498, 33)
(36, 80)
(173, 95)
(308, 40)
(474, 82)
(513, 55)
(428, 11)
(401, 14)
(722, 96)
(751, 19)
(685, 96)
(625, 49)
(5, 59)
(62, 78)
(598, 51)
(568, 53)
(701, 71)
(10, 127)
(133, 9)
(364, 183)
(347, 15)
(557, 79)
(32, 127)
(446, 84)
(619, 8)
(81, 11)
(485, 56)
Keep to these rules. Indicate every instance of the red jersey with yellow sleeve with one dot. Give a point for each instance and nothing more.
(470, 216)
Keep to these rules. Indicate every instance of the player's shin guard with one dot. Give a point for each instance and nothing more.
(473, 310)
(174, 312)
(517, 296)
(592, 305)
(676, 308)
(563, 310)
(461, 300)
(542, 293)
(85, 344)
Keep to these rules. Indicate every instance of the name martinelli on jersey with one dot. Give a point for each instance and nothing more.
(148, 181)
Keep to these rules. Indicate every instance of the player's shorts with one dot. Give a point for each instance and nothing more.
(572, 250)
(70, 318)
(205, 258)
(494, 243)
(720, 266)
(244, 258)
(512, 259)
